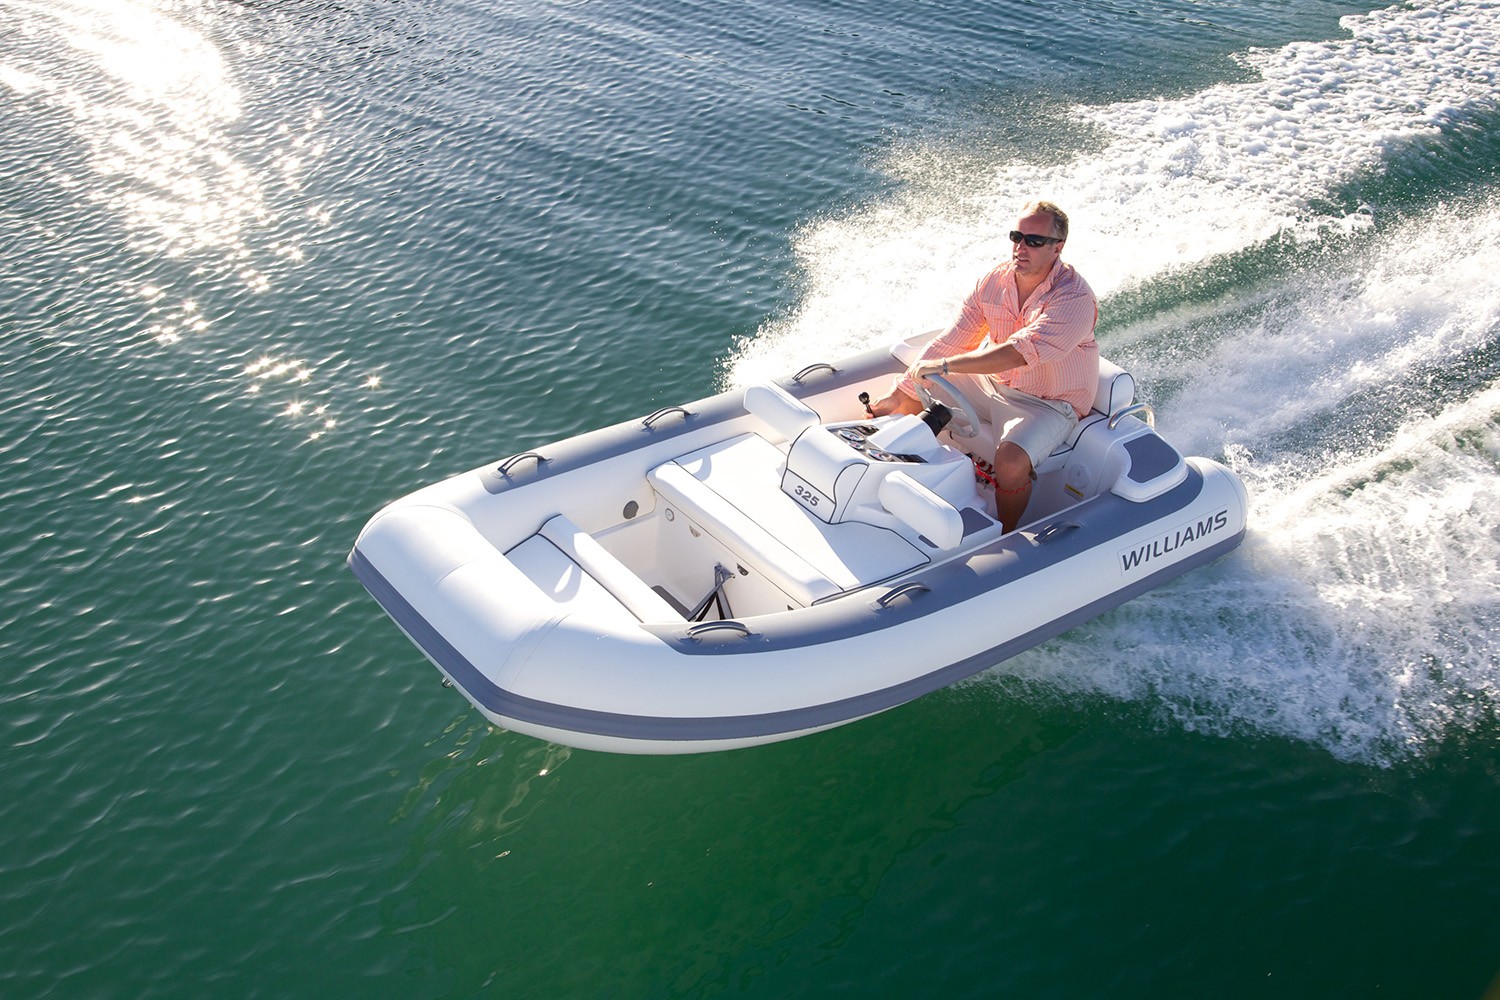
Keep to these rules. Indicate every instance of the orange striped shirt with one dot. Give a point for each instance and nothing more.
(1054, 333)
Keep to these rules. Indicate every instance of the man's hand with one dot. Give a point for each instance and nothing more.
(896, 402)
(927, 366)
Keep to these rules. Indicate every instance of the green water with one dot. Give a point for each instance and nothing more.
(270, 265)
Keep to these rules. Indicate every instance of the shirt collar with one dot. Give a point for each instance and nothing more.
(1045, 286)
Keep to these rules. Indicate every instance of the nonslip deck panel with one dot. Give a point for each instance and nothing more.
(1150, 457)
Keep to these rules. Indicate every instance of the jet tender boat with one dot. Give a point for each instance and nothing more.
(771, 562)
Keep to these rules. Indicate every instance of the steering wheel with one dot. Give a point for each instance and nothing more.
(965, 419)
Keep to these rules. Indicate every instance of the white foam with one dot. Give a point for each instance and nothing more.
(1418, 297)
(1366, 600)
(1362, 612)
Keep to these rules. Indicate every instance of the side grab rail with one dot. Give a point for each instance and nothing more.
(653, 418)
(703, 628)
(812, 368)
(516, 459)
(1132, 410)
(905, 590)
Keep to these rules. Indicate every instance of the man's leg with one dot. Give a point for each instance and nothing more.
(1030, 428)
(1012, 483)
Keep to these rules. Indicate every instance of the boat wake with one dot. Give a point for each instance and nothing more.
(1361, 613)
(1343, 358)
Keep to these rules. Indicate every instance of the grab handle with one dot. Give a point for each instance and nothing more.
(812, 368)
(703, 628)
(663, 412)
(505, 465)
(905, 590)
(1132, 410)
(1054, 531)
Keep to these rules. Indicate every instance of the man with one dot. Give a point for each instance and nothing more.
(1029, 327)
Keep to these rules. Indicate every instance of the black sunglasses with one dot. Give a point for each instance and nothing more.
(1017, 236)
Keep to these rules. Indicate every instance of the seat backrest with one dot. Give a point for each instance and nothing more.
(921, 509)
(779, 410)
(1116, 388)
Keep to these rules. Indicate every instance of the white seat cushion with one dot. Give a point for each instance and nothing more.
(733, 490)
(935, 518)
(779, 410)
(613, 575)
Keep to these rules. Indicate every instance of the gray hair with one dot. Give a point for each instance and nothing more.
(1059, 217)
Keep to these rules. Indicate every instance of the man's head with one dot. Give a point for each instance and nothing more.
(1044, 223)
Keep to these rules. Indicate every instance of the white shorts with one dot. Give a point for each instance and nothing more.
(1037, 425)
